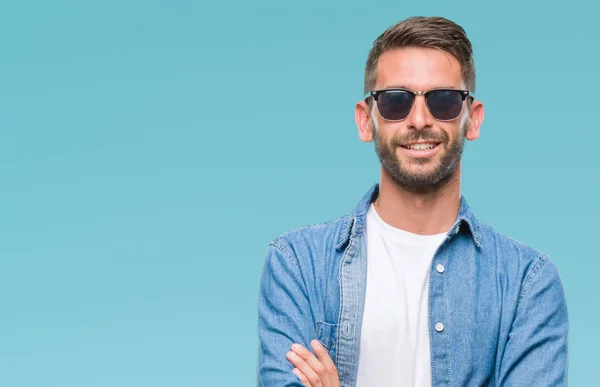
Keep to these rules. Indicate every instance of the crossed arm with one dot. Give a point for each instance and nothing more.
(286, 328)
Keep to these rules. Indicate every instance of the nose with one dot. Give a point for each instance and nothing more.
(419, 117)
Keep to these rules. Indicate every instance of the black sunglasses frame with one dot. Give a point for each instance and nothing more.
(375, 94)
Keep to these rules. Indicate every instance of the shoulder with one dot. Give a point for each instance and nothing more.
(315, 240)
(507, 247)
(515, 258)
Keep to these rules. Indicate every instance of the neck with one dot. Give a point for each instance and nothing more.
(424, 213)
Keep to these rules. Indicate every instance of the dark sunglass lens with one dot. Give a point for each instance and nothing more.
(394, 104)
(444, 104)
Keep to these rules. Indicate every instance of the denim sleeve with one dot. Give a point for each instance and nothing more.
(536, 352)
(284, 317)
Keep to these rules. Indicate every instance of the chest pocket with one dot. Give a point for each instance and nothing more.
(327, 334)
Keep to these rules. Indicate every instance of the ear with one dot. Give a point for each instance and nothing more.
(362, 116)
(476, 118)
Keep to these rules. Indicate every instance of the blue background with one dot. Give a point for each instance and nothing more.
(150, 150)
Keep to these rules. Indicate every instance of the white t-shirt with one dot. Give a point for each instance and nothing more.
(394, 343)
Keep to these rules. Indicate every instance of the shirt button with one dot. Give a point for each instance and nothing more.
(439, 327)
(347, 330)
(440, 268)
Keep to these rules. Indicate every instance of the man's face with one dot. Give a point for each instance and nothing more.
(414, 169)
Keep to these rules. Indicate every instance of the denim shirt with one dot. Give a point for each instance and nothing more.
(497, 310)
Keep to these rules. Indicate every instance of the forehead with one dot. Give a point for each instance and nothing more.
(418, 69)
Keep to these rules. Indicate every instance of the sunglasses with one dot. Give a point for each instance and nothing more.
(395, 104)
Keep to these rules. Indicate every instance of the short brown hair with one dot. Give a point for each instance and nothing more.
(429, 32)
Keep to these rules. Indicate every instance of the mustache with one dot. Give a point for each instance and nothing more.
(421, 135)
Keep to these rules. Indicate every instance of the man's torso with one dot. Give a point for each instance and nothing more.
(476, 279)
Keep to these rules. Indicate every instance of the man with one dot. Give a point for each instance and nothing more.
(411, 289)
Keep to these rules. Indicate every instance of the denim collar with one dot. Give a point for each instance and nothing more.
(354, 224)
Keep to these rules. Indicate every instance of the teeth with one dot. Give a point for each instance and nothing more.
(421, 146)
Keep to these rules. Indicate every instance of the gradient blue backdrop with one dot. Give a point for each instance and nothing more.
(150, 150)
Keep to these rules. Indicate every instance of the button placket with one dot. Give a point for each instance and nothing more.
(438, 313)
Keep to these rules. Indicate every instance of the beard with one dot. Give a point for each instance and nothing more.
(426, 181)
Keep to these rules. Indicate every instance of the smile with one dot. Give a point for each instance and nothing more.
(420, 150)
(421, 146)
